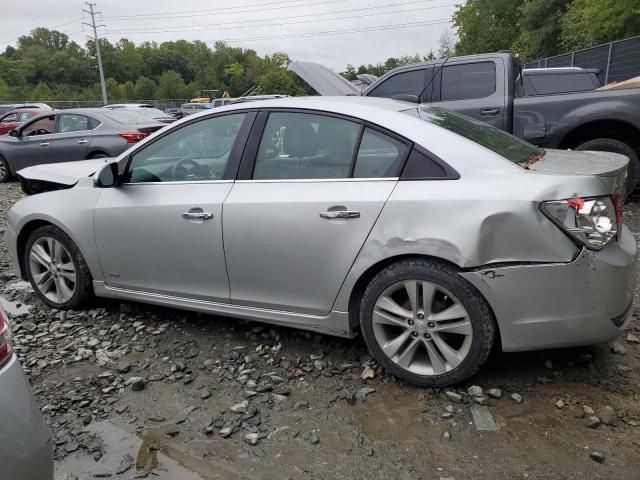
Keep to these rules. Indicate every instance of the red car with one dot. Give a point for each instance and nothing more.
(12, 119)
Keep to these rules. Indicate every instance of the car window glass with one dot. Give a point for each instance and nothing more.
(560, 83)
(24, 116)
(379, 156)
(93, 123)
(404, 83)
(72, 123)
(43, 126)
(12, 117)
(469, 80)
(305, 146)
(195, 152)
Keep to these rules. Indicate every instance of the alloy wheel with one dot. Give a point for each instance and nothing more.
(422, 327)
(52, 269)
(3, 170)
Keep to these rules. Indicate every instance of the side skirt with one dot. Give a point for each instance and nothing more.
(336, 323)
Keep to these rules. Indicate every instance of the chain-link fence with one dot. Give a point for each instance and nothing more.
(615, 61)
(64, 104)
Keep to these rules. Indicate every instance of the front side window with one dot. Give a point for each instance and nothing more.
(305, 146)
(468, 81)
(196, 152)
(72, 123)
(404, 83)
(12, 117)
(379, 156)
(43, 126)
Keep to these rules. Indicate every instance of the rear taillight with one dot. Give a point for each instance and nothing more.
(134, 137)
(6, 348)
(592, 221)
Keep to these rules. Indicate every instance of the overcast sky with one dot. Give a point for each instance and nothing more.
(332, 32)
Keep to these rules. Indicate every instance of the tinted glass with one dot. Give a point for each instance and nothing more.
(12, 117)
(559, 83)
(379, 156)
(512, 148)
(195, 152)
(301, 145)
(72, 123)
(40, 127)
(469, 80)
(405, 83)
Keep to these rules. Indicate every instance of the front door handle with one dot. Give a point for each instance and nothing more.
(44, 144)
(334, 214)
(490, 111)
(83, 141)
(197, 215)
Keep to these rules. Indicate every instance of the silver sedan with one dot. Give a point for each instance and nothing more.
(432, 235)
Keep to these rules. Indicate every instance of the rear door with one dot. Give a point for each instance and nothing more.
(33, 146)
(303, 206)
(476, 89)
(72, 137)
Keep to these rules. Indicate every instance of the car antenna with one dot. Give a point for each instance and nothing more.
(435, 74)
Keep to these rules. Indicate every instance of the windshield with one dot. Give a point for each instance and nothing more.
(512, 148)
(126, 116)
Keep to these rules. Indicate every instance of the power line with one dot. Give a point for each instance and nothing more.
(242, 24)
(343, 32)
(172, 15)
(97, 43)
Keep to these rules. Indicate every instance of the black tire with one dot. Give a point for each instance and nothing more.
(482, 320)
(5, 171)
(98, 155)
(616, 146)
(83, 288)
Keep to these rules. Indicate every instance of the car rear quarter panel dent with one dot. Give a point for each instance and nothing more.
(472, 222)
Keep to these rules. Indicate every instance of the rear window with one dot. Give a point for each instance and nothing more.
(510, 147)
(125, 116)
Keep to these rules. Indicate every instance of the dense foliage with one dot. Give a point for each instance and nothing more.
(540, 28)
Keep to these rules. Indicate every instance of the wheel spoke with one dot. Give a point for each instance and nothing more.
(406, 357)
(64, 291)
(383, 318)
(40, 278)
(388, 305)
(451, 313)
(39, 255)
(50, 246)
(462, 327)
(437, 362)
(392, 347)
(428, 292)
(411, 286)
(57, 251)
(451, 355)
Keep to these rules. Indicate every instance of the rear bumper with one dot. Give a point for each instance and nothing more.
(584, 302)
(26, 445)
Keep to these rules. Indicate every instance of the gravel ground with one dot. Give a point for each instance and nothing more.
(135, 391)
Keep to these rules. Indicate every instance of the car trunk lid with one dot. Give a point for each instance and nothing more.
(325, 81)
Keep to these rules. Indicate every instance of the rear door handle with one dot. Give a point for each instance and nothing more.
(333, 214)
(44, 144)
(83, 141)
(490, 111)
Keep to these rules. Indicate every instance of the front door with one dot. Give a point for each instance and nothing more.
(294, 229)
(161, 231)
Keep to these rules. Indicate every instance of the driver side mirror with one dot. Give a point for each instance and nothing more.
(14, 133)
(108, 176)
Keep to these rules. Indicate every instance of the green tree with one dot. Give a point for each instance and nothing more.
(590, 22)
(5, 94)
(540, 27)
(145, 89)
(127, 90)
(171, 85)
(42, 92)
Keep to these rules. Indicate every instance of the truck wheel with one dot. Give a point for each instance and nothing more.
(425, 323)
(5, 171)
(616, 146)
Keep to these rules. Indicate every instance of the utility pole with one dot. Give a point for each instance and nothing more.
(95, 38)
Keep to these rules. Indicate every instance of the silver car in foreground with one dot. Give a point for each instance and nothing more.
(433, 235)
(26, 444)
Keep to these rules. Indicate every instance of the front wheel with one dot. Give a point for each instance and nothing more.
(5, 171)
(56, 269)
(425, 323)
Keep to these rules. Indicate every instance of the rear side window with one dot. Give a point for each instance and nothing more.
(468, 81)
(73, 123)
(305, 146)
(403, 83)
(379, 156)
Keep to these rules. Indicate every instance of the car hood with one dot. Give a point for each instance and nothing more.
(324, 81)
(56, 176)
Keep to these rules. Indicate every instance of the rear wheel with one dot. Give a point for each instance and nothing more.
(425, 323)
(616, 146)
(98, 155)
(5, 172)
(56, 269)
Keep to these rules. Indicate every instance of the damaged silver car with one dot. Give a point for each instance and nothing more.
(434, 236)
